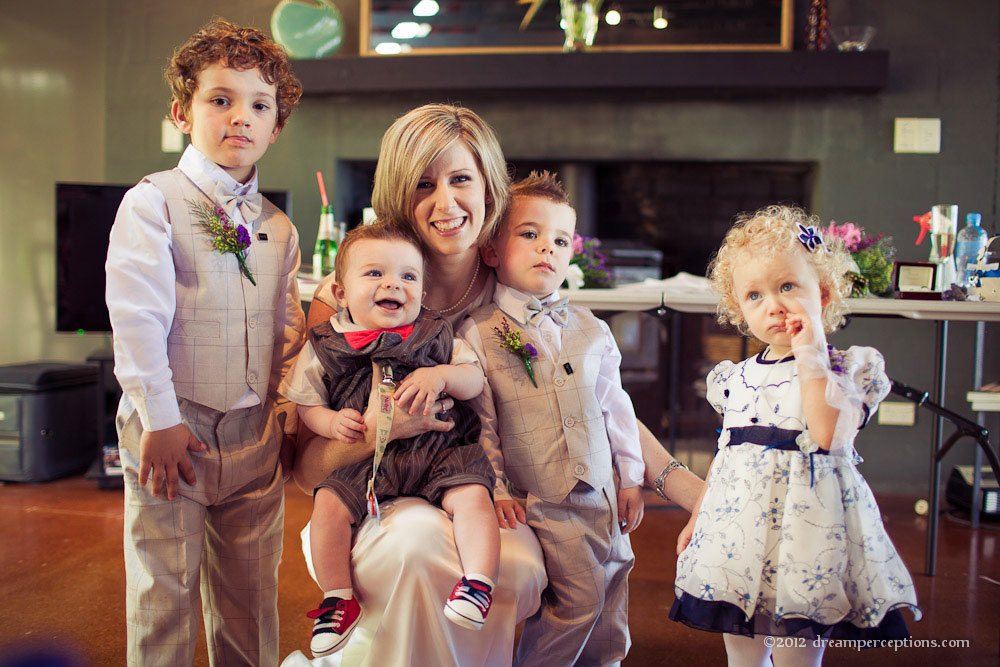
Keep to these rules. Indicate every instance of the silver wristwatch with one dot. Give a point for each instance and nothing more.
(662, 477)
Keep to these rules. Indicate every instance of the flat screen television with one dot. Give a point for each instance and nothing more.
(84, 215)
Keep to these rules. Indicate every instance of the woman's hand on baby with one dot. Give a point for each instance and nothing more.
(685, 537)
(347, 425)
(163, 454)
(630, 508)
(509, 513)
(419, 390)
(405, 425)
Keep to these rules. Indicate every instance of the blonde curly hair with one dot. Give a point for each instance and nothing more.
(768, 232)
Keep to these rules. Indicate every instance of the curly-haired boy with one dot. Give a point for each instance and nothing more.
(206, 318)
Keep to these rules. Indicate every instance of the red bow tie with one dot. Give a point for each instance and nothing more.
(359, 339)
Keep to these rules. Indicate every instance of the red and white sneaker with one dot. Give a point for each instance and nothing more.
(469, 603)
(335, 621)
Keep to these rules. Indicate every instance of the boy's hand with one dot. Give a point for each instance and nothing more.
(164, 453)
(347, 425)
(685, 537)
(419, 390)
(509, 513)
(630, 507)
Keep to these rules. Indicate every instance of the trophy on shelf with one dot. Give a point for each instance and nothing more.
(942, 224)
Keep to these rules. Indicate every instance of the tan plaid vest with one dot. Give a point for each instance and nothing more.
(222, 336)
(554, 435)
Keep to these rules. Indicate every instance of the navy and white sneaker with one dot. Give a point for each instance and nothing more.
(336, 619)
(469, 603)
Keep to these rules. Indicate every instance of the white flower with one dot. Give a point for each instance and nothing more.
(574, 277)
(806, 444)
(817, 577)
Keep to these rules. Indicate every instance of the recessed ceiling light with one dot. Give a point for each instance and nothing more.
(659, 20)
(426, 8)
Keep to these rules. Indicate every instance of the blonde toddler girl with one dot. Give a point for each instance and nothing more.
(786, 547)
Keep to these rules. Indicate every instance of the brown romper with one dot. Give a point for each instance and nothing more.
(426, 465)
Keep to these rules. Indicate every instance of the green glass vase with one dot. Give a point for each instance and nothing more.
(579, 23)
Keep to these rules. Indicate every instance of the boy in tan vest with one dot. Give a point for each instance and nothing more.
(380, 274)
(206, 319)
(558, 426)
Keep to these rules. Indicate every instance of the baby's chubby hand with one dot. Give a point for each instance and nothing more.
(347, 425)
(419, 390)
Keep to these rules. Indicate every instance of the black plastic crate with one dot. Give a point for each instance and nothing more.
(48, 420)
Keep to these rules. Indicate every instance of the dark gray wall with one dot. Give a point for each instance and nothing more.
(944, 64)
(53, 115)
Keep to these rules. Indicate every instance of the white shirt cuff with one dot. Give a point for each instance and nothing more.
(632, 473)
(159, 411)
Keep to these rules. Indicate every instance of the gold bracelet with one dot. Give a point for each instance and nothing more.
(662, 477)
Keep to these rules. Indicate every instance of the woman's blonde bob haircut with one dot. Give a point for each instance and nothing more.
(418, 138)
(768, 232)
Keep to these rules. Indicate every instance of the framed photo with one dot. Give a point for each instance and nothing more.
(395, 27)
(915, 280)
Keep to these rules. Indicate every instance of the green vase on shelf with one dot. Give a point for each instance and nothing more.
(579, 23)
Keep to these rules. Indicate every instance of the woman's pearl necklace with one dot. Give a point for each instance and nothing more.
(475, 274)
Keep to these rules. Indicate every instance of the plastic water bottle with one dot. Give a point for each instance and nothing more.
(325, 251)
(971, 240)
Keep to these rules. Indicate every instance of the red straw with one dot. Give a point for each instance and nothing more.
(322, 188)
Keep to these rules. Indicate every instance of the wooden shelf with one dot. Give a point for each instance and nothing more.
(698, 73)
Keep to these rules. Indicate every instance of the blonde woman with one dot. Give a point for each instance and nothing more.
(441, 171)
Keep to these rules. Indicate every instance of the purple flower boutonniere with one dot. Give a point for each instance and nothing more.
(226, 236)
(511, 341)
(838, 361)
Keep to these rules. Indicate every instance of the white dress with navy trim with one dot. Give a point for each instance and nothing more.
(789, 543)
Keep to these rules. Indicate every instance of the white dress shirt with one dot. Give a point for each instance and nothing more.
(141, 294)
(619, 415)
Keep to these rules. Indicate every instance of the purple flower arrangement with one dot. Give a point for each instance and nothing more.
(872, 254)
(511, 341)
(226, 236)
(591, 261)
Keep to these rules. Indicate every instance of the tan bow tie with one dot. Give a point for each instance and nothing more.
(535, 311)
(249, 205)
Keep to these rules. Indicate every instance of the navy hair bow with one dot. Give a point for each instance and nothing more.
(810, 237)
